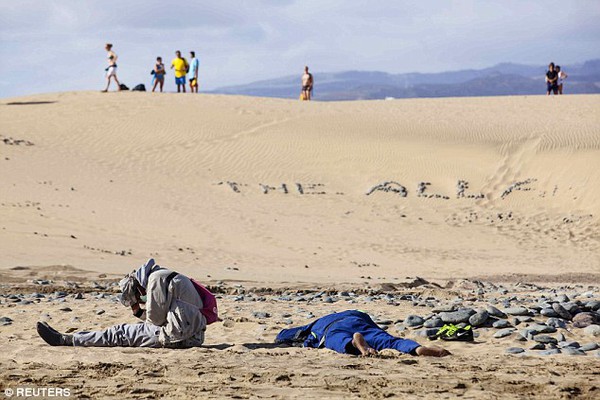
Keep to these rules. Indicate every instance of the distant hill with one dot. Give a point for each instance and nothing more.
(499, 80)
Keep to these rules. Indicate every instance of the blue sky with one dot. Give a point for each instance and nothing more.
(52, 45)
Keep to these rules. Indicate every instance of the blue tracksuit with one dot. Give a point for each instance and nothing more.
(335, 332)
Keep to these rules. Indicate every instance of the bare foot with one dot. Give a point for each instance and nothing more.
(433, 351)
(358, 341)
(104, 91)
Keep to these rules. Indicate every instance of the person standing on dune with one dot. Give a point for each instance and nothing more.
(181, 67)
(111, 70)
(194, 64)
(307, 84)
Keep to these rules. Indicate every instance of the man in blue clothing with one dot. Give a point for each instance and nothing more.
(194, 64)
(353, 332)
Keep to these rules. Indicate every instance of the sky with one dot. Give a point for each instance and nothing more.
(58, 45)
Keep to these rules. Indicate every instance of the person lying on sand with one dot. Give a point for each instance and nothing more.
(172, 314)
(353, 332)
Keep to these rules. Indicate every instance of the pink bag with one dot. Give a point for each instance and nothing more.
(209, 301)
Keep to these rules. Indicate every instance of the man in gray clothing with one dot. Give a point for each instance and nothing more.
(172, 316)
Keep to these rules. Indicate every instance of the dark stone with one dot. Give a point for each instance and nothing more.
(495, 312)
(589, 347)
(261, 314)
(517, 311)
(572, 352)
(434, 323)
(550, 352)
(501, 323)
(545, 339)
(503, 333)
(457, 317)
(514, 350)
(561, 311)
(538, 346)
(413, 320)
(4, 321)
(479, 318)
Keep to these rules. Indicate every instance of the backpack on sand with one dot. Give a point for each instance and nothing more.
(139, 88)
(122, 86)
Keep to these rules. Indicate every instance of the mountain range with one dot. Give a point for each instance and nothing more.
(499, 80)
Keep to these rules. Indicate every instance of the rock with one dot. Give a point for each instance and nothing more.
(100, 312)
(78, 296)
(66, 309)
(561, 311)
(572, 344)
(556, 323)
(545, 339)
(4, 321)
(517, 311)
(584, 319)
(589, 347)
(572, 352)
(560, 337)
(514, 350)
(413, 321)
(495, 312)
(426, 332)
(528, 333)
(327, 299)
(549, 312)
(456, 317)
(592, 330)
(444, 308)
(503, 333)
(479, 318)
(550, 352)
(593, 305)
(434, 322)
(563, 298)
(538, 346)
(501, 323)
(539, 328)
(261, 314)
(520, 338)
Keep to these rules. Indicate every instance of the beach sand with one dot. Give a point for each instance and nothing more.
(270, 197)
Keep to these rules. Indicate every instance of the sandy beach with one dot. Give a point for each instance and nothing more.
(291, 210)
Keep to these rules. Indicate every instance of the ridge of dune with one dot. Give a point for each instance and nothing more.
(144, 174)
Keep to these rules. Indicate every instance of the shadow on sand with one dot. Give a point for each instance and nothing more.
(29, 103)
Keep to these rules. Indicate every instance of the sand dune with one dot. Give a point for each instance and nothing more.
(149, 174)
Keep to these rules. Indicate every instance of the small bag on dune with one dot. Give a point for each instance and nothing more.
(122, 86)
(139, 88)
(209, 302)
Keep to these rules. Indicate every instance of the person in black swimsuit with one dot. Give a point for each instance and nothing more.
(551, 80)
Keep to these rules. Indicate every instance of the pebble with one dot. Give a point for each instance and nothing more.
(592, 330)
(556, 323)
(561, 311)
(517, 311)
(563, 298)
(572, 352)
(434, 323)
(538, 346)
(457, 317)
(572, 344)
(549, 312)
(583, 319)
(503, 333)
(100, 312)
(426, 332)
(66, 309)
(4, 321)
(495, 312)
(444, 308)
(593, 305)
(514, 350)
(545, 339)
(589, 347)
(550, 352)
(560, 337)
(501, 323)
(542, 328)
(479, 318)
(261, 314)
(413, 321)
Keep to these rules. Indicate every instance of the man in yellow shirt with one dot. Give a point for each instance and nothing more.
(181, 68)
